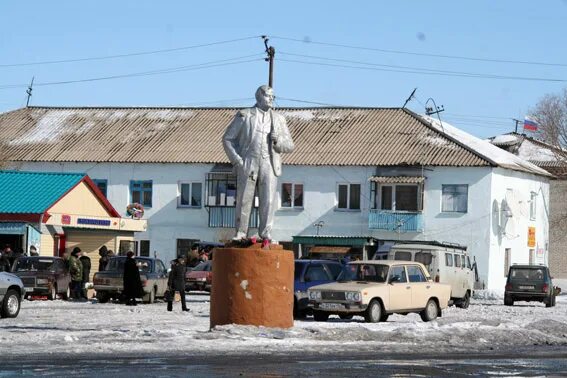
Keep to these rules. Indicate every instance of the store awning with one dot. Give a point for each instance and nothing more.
(350, 241)
(13, 228)
(397, 179)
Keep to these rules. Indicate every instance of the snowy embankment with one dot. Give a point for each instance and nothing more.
(91, 328)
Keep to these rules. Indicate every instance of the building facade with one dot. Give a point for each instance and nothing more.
(381, 174)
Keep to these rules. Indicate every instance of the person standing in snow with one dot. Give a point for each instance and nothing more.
(76, 270)
(176, 282)
(132, 281)
(103, 262)
(86, 262)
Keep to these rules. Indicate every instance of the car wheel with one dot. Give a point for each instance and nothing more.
(508, 301)
(373, 313)
(549, 301)
(102, 297)
(464, 303)
(52, 293)
(11, 305)
(67, 294)
(320, 316)
(346, 316)
(430, 311)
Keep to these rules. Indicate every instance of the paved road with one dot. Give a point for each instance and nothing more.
(550, 362)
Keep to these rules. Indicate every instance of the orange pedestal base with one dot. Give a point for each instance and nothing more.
(252, 286)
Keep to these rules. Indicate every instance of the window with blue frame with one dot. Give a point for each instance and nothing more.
(102, 185)
(141, 192)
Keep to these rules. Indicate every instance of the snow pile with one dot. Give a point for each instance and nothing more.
(492, 295)
(92, 328)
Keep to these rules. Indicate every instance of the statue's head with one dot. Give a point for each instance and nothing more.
(264, 97)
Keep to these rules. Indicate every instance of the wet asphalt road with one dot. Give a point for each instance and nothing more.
(526, 363)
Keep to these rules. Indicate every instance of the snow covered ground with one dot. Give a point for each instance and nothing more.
(91, 328)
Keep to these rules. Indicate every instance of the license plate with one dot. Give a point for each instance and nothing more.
(332, 306)
(526, 287)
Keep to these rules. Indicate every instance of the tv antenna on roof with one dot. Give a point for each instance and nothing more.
(430, 110)
(409, 98)
(29, 92)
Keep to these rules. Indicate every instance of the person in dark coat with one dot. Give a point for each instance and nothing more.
(103, 262)
(132, 281)
(76, 270)
(176, 282)
(86, 261)
(4, 261)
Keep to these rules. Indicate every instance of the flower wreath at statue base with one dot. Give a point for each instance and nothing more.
(135, 210)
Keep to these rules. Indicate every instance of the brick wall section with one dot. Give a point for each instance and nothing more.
(558, 228)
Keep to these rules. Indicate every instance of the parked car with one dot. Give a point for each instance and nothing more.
(376, 289)
(11, 293)
(43, 276)
(108, 284)
(529, 283)
(445, 262)
(309, 273)
(200, 277)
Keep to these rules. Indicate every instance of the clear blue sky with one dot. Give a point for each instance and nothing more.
(39, 31)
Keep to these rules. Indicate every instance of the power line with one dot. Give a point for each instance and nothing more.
(140, 53)
(217, 63)
(428, 72)
(423, 54)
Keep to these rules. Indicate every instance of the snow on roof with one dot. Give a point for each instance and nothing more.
(534, 152)
(486, 149)
(505, 139)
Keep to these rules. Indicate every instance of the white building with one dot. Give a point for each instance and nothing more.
(359, 174)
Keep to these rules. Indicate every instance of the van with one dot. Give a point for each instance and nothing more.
(446, 263)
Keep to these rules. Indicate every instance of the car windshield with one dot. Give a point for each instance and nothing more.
(34, 265)
(364, 272)
(529, 274)
(205, 266)
(117, 264)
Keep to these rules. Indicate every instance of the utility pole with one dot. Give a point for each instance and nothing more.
(271, 52)
(29, 92)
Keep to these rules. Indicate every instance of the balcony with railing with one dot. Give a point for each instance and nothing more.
(225, 216)
(398, 221)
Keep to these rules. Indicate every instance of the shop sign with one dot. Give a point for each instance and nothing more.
(93, 222)
(531, 237)
(65, 219)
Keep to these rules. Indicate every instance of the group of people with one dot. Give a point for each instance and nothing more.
(79, 266)
(8, 256)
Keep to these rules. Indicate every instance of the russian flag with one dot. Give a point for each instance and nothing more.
(530, 124)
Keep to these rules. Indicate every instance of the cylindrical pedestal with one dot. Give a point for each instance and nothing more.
(252, 286)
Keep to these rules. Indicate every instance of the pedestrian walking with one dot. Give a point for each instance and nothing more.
(176, 282)
(86, 262)
(132, 281)
(76, 270)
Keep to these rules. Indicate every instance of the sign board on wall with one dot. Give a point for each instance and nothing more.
(531, 237)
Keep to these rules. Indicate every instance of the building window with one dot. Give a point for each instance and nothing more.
(455, 198)
(190, 194)
(141, 192)
(145, 248)
(533, 201)
(102, 185)
(126, 246)
(396, 197)
(348, 196)
(292, 195)
(221, 190)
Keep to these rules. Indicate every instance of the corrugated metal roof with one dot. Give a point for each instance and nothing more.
(33, 192)
(323, 136)
(397, 179)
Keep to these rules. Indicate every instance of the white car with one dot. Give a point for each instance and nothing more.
(11, 293)
(376, 289)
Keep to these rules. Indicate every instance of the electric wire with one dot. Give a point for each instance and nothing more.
(140, 53)
(211, 64)
(446, 56)
(448, 73)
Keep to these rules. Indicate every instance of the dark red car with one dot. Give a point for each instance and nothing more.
(200, 277)
(43, 276)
